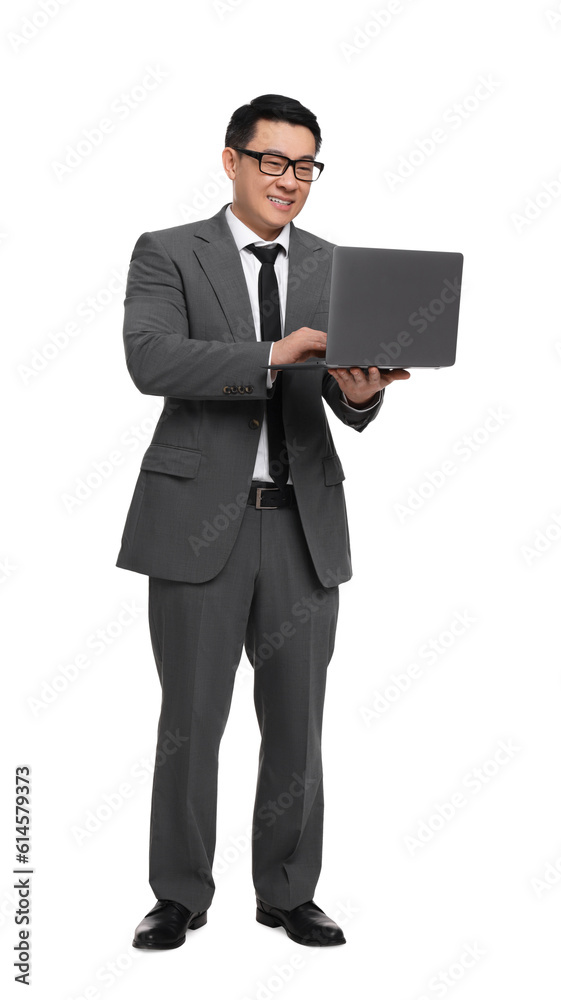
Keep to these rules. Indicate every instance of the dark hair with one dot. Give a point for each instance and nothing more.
(273, 107)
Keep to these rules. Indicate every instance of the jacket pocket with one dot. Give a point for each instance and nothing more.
(333, 470)
(172, 460)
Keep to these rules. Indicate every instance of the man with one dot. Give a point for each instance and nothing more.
(238, 518)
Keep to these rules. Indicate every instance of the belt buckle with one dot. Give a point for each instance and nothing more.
(258, 491)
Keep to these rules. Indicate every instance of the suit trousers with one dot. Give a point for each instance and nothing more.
(268, 598)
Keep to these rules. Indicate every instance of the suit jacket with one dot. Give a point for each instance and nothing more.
(189, 336)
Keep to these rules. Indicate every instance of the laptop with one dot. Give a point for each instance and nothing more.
(391, 309)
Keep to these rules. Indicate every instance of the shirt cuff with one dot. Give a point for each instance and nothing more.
(357, 409)
(269, 376)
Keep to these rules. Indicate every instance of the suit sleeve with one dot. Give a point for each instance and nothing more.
(161, 358)
(358, 419)
(364, 408)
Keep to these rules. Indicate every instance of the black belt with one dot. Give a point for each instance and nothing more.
(266, 496)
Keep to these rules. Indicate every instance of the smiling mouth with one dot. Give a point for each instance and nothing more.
(278, 201)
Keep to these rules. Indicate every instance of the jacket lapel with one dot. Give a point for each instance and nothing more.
(219, 257)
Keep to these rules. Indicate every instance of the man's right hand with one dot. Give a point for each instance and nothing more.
(298, 346)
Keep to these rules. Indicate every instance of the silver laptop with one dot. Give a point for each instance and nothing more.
(391, 309)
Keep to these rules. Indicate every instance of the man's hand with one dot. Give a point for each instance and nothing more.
(307, 343)
(359, 388)
(299, 346)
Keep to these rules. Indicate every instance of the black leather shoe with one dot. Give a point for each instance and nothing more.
(165, 925)
(305, 924)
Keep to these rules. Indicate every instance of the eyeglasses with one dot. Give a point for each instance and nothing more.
(270, 163)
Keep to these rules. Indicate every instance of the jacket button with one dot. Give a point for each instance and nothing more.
(254, 423)
(233, 388)
(241, 388)
(226, 389)
(249, 388)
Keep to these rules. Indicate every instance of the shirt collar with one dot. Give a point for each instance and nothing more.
(243, 234)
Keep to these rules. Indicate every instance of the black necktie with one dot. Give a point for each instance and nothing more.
(269, 314)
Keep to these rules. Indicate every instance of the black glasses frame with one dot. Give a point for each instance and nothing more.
(289, 163)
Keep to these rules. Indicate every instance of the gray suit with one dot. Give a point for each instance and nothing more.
(189, 336)
(223, 573)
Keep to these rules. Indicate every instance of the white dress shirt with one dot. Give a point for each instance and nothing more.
(251, 267)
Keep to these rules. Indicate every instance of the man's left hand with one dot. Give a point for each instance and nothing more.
(360, 388)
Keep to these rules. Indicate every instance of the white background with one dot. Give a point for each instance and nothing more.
(483, 542)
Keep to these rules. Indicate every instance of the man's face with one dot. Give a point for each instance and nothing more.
(253, 190)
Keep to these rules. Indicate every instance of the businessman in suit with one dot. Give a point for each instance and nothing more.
(238, 518)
